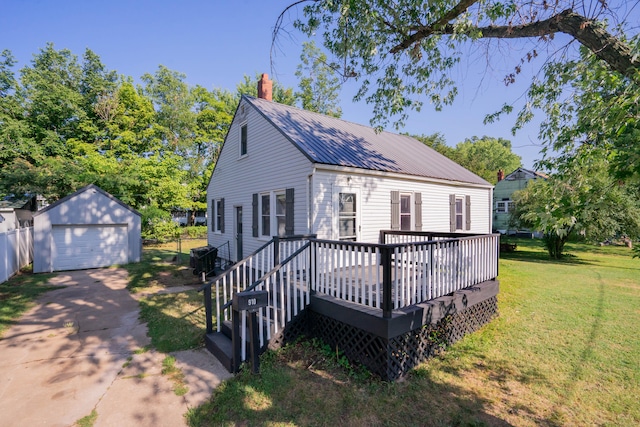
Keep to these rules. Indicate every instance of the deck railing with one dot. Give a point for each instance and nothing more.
(386, 276)
(392, 276)
(288, 286)
(246, 272)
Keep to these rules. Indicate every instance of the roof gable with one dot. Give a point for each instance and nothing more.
(82, 190)
(331, 141)
(522, 173)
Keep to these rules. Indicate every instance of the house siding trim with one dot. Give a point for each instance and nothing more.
(395, 175)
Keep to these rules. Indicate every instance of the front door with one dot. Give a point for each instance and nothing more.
(238, 227)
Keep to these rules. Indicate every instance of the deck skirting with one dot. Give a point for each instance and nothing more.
(391, 347)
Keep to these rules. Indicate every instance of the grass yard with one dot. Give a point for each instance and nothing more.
(18, 293)
(163, 265)
(176, 321)
(564, 352)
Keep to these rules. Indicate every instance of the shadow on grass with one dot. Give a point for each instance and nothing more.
(18, 294)
(160, 266)
(175, 321)
(533, 250)
(303, 385)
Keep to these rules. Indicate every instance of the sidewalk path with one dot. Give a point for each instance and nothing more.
(75, 352)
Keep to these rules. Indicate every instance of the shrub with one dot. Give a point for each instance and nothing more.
(157, 224)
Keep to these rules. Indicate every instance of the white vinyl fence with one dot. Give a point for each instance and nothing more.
(16, 251)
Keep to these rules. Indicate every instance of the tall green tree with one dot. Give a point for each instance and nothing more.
(318, 83)
(437, 142)
(485, 156)
(584, 201)
(14, 132)
(403, 54)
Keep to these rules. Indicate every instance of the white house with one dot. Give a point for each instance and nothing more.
(17, 213)
(87, 229)
(287, 171)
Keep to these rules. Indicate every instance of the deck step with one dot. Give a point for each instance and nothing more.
(220, 346)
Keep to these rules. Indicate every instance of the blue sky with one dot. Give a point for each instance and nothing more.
(216, 42)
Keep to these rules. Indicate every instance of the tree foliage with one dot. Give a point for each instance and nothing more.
(67, 122)
(403, 53)
(485, 156)
(319, 85)
(482, 156)
(584, 201)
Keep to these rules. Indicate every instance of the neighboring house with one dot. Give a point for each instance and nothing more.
(87, 229)
(285, 171)
(17, 213)
(182, 217)
(503, 195)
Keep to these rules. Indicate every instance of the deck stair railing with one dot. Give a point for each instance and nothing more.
(286, 281)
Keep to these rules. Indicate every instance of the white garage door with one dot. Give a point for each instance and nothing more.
(77, 247)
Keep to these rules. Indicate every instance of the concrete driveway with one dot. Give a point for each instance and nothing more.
(75, 352)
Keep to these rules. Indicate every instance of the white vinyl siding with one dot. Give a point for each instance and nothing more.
(375, 212)
(272, 162)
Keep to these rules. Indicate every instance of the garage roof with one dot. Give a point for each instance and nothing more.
(82, 190)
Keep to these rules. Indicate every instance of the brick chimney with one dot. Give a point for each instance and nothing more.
(265, 88)
(500, 175)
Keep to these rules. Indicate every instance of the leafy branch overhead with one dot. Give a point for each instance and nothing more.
(403, 53)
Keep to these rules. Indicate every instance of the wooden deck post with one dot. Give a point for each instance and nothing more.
(387, 300)
(208, 309)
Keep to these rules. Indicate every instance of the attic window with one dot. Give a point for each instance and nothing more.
(243, 140)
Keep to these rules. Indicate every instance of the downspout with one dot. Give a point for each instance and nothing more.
(310, 201)
(491, 204)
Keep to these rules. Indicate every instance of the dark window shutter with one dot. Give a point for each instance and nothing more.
(212, 216)
(417, 211)
(452, 213)
(254, 224)
(395, 210)
(467, 214)
(222, 215)
(289, 218)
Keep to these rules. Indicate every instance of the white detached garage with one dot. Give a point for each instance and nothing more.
(87, 229)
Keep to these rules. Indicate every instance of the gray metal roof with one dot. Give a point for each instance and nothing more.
(331, 141)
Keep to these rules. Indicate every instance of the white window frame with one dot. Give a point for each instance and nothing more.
(242, 155)
(411, 213)
(274, 219)
(261, 215)
(336, 211)
(273, 215)
(461, 214)
(217, 216)
(504, 206)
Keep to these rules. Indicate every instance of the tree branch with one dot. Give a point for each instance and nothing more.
(435, 27)
(603, 44)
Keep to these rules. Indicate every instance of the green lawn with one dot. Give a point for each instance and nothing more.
(18, 293)
(564, 351)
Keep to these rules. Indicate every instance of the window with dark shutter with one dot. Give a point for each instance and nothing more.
(452, 213)
(289, 214)
(395, 210)
(467, 213)
(221, 215)
(417, 211)
(212, 222)
(254, 223)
